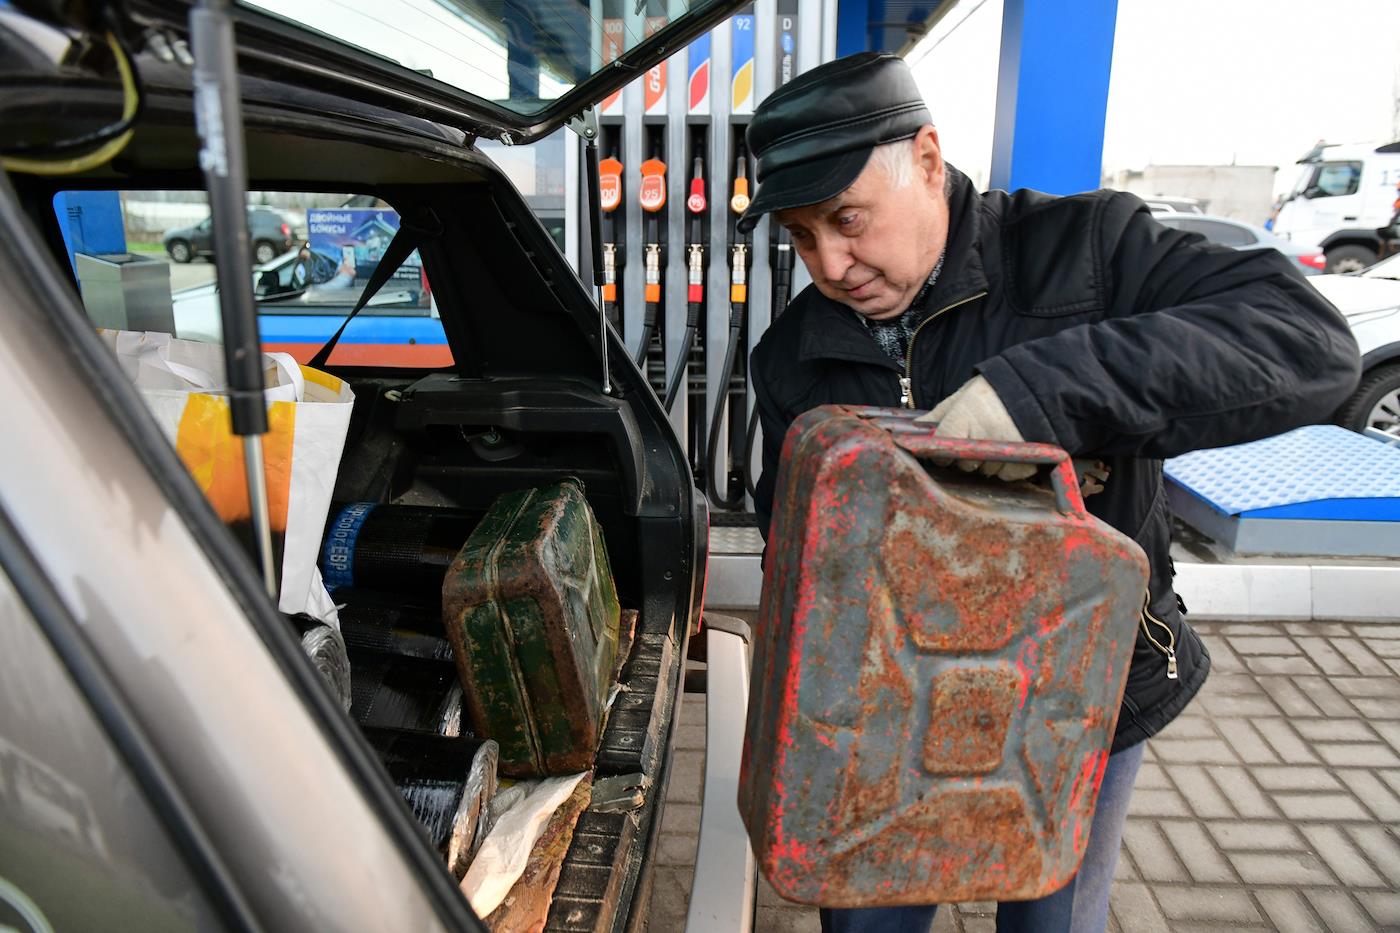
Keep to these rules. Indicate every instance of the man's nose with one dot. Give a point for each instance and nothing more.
(833, 258)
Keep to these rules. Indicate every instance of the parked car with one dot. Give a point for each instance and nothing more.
(1166, 204)
(1236, 233)
(302, 298)
(1371, 302)
(172, 758)
(268, 231)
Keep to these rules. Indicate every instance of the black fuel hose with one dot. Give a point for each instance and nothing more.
(648, 314)
(695, 278)
(782, 291)
(648, 331)
(738, 300)
(736, 329)
(692, 323)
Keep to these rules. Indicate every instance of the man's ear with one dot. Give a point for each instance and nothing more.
(928, 156)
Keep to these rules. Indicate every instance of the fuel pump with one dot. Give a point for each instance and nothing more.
(695, 206)
(652, 195)
(739, 260)
(609, 197)
(780, 254)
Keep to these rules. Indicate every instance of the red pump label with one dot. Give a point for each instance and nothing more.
(609, 184)
(653, 193)
(696, 202)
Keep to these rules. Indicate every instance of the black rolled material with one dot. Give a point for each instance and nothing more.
(401, 549)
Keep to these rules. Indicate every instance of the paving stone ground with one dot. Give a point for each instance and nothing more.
(1272, 803)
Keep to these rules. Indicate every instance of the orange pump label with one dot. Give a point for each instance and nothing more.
(740, 202)
(653, 193)
(609, 184)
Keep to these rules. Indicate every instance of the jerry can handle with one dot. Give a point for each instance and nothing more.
(918, 439)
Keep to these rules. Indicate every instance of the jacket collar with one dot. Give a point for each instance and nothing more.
(831, 330)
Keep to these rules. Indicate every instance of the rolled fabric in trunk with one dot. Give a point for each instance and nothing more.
(398, 548)
(448, 784)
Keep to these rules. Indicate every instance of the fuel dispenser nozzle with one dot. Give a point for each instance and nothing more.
(609, 197)
(695, 205)
(653, 198)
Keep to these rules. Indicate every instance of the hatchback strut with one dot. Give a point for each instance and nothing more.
(219, 120)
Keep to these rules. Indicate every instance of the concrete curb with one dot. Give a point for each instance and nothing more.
(1292, 592)
(1289, 592)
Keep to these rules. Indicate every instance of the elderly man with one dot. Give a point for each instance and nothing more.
(1076, 321)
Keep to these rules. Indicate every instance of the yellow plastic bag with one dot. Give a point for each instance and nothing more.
(183, 384)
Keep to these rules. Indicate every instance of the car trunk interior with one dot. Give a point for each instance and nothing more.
(520, 408)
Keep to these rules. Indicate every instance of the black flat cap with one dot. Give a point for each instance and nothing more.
(813, 136)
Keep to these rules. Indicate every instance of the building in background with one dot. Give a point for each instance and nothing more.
(1241, 192)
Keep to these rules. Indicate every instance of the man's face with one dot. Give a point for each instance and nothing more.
(873, 246)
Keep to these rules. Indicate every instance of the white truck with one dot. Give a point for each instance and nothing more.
(1343, 200)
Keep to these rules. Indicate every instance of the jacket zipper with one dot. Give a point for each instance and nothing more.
(906, 381)
(1169, 649)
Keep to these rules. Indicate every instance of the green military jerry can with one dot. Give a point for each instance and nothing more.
(532, 614)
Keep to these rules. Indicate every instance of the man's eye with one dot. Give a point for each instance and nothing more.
(847, 221)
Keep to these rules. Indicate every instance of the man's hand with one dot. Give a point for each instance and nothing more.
(1092, 476)
(976, 412)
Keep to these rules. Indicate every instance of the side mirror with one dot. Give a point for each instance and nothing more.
(266, 285)
(274, 285)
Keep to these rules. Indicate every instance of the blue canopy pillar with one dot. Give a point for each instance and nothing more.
(1052, 94)
(91, 222)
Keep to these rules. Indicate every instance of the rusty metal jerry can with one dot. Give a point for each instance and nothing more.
(532, 614)
(938, 669)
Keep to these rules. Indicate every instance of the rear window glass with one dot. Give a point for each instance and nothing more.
(144, 261)
(1214, 231)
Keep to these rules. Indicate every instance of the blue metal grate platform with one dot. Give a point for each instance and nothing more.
(1319, 490)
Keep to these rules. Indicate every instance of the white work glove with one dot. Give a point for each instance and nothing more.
(975, 411)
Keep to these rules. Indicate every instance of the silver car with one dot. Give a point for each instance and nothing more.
(1226, 231)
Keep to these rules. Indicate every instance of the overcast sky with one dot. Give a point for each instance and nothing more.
(1249, 81)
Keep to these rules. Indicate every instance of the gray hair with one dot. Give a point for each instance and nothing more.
(896, 160)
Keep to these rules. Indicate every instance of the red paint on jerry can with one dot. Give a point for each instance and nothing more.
(938, 669)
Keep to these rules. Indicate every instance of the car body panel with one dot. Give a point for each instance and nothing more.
(178, 645)
(1370, 302)
(69, 807)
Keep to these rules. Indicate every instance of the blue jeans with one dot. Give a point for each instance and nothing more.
(1079, 907)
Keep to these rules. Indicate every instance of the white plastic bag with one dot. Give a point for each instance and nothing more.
(502, 857)
(183, 383)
